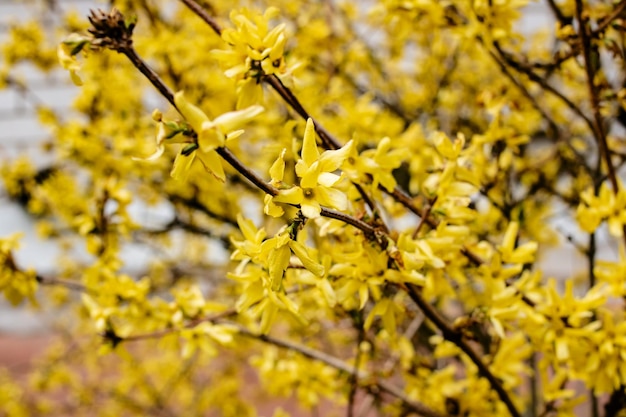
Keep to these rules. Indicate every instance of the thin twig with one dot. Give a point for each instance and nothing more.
(452, 335)
(198, 10)
(344, 367)
(607, 20)
(70, 285)
(334, 362)
(425, 215)
(354, 379)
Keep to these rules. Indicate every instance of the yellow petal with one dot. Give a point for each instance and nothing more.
(277, 170)
(157, 153)
(278, 260)
(209, 138)
(328, 179)
(331, 197)
(309, 153)
(332, 160)
(235, 134)
(213, 163)
(308, 175)
(75, 78)
(249, 93)
(272, 209)
(292, 195)
(182, 164)
(311, 209)
(300, 251)
(233, 120)
(194, 116)
(247, 227)
(508, 243)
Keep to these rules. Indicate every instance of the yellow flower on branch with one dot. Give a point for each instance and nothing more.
(256, 51)
(375, 166)
(262, 267)
(209, 135)
(317, 179)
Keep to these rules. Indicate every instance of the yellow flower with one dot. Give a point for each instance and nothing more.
(593, 210)
(522, 254)
(67, 51)
(214, 134)
(211, 134)
(256, 51)
(16, 284)
(317, 177)
(375, 165)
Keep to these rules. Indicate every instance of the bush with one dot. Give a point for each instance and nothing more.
(348, 200)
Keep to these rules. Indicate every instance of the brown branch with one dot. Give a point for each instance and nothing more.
(425, 215)
(330, 142)
(70, 285)
(450, 334)
(354, 379)
(195, 204)
(198, 10)
(552, 125)
(533, 76)
(229, 157)
(373, 384)
(607, 20)
(343, 367)
(558, 14)
(152, 76)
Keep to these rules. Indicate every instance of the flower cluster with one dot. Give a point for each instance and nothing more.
(379, 231)
(256, 51)
(605, 206)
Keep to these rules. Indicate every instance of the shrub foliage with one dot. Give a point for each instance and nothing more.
(345, 203)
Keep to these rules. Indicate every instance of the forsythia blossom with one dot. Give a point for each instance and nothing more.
(317, 177)
(256, 51)
(606, 206)
(67, 51)
(211, 134)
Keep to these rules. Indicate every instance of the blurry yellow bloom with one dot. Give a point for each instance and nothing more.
(16, 284)
(99, 314)
(190, 300)
(203, 338)
(522, 254)
(67, 51)
(606, 206)
(389, 310)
